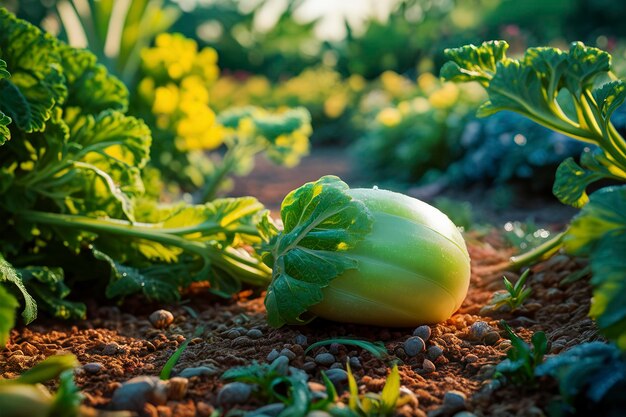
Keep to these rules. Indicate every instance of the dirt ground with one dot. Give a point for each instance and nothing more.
(119, 342)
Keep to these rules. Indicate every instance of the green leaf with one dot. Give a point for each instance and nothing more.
(9, 274)
(551, 63)
(474, 63)
(320, 219)
(572, 179)
(90, 87)
(375, 348)
(5, 120)
(8, 305)
(67, 398)
(610, 97)
(391, 392)
(47, 369)
(599, 231)
(155, 282)
(49, 289)
(36, 82)
(605, 214)
(584, 65)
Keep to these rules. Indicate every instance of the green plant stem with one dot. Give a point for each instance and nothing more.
(247, 270)
(544, 250)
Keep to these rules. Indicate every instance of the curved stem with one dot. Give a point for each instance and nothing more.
(543, 251)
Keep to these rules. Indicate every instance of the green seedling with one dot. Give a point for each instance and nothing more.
(166, 372)
(514, 295)
(522, 358)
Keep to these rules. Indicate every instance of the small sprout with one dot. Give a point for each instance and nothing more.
(522, 358)
(514, 295)
(166, 372)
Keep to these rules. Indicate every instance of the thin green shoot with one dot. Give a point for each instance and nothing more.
(166, 371)
(375, 348)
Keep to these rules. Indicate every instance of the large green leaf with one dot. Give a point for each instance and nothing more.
(90, 87)
(610, 97)
(8, 305)
(599, 231)
(37, 83)
(48, 287)
(9, 274)
(584, 65)
(5, 134)
(572, 179)
(321, 222)
(474, 63)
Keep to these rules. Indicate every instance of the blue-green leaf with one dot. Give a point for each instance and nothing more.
(320, 219)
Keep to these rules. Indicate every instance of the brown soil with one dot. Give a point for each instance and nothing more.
(126, 344)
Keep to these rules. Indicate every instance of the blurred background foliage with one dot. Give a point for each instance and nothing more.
(222, 81)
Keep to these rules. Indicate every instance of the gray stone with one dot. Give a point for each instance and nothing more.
(465, 414)
(288, 353)
(234, 393)
(428, 366)
(160, 319)
(454, 400)
(434, 352)
(198, 371)
(233, 334)
(93, 367)
(272, 355)
(354, 362)
(325, 359)
(309, 366)
(423, 332)
(111, 349)
(334, 348)
(479, 329)
(301, 340)
(136, 392)
(337, 376)
(492, 338)
(254, 334)
(414, 345)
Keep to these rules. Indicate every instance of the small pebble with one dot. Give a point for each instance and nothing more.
(160, 319)
(233, 334)
(434, 352)
(492, 338)
(177, 388)
(288, 353)
(136, 392)
(324, 359)
(465, 414)
(354, 362)
(479, 329)
(272, 355)
(254, 334)
(454, 400)
(309, 366)
(470, 358)
(334, 348)
(337, 376)
(198, 371)
(428, 366)
(414, 345)
(111, 349)
(301, 340)
(93, 367)
(281, 364)
(316, 386)
(423, 332)
(234, 393)
(336, 365)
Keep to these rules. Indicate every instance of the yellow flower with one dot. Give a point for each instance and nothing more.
(389, 117)
(194, 89)
(445, 97)
(165, 99)
(335, 105)
(394, 83)
(427, 82)
(246, 127)
(356, 82)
